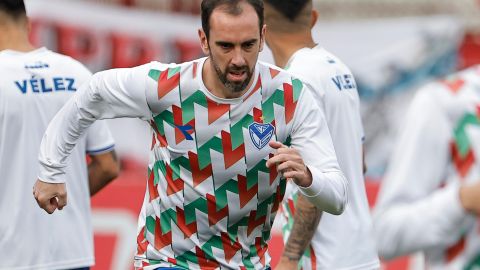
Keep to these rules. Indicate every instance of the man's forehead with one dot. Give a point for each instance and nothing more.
(242, 25)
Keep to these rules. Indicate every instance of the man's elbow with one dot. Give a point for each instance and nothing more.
(110, 172)
(342, 197)
(105, 167)
(338, 210)
(333, 199)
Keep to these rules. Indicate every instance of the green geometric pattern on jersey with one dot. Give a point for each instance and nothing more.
(460, 134)
(197, 162)
(463, 155)
(474, 264)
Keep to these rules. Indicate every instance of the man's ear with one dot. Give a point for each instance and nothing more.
(262, 36)
(314, 18)
(203, 42)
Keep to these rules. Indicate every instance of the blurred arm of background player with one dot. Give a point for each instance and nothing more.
(413, 213)
(102, 169)
(470, 198)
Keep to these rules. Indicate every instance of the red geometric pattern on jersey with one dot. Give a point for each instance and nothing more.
(198, 175)
(230, 248)
(215, 216)
(455, 250)
(216, 110)
(291, 205)
(203, 262)
(160, 138)
(152, 188)
(313, 258)
(253, 222)
(290, 104)
(165, 84)
(454, 84)
(245, 194)
(257, 115)
(161, 240)
(231, 156)
(173, 186)
(261, 249)
(274, 72)
(142, 243)
(462, 164)
(273, 172)
(194, 69)
(187, 230)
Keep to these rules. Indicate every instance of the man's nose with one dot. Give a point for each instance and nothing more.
(238, 58)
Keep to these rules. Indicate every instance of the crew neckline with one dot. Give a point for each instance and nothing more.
(217, 99)
(16, 53)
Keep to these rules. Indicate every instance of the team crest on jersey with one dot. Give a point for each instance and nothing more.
(260, 134)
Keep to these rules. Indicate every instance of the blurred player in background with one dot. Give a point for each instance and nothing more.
(220, 128)
(429, 200)
(34, 85)
(336, 242)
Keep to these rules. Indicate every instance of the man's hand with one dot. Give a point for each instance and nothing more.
(290, 164)
(470, 198)
(50, 196)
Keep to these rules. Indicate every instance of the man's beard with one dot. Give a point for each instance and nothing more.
(235, 87)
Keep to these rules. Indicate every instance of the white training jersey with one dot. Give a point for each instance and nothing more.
(345, 241)
(418, 207)
(210, 200)
(33, 88)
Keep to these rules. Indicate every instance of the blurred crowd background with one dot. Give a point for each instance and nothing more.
(392, 46)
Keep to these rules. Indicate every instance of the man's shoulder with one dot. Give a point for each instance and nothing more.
(317, 61)
(275, 79)
(158, 70)
(65, 60)
(174, 66)
(453, 84)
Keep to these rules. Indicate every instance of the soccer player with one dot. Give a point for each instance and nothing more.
(316, 240)
(34, 85)
(220, 157)
(429, 200)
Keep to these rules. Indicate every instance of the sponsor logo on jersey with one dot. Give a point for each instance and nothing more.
(185, 130)
(260, 134)
(37, 65)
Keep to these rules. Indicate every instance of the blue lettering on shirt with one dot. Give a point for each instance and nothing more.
(42, 85)
(58, 84)
(22, 86)
(344, 82)
(71, 83)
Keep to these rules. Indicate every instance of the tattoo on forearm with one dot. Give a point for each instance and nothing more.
(306, 220)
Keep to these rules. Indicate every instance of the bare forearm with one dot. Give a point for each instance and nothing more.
(306, 220)
(101, 171)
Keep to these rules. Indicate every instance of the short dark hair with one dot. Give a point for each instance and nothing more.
(290, 9)
(208, 6)
(13, 8)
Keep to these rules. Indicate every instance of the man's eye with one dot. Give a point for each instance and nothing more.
(225, 46)
(248, 45)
